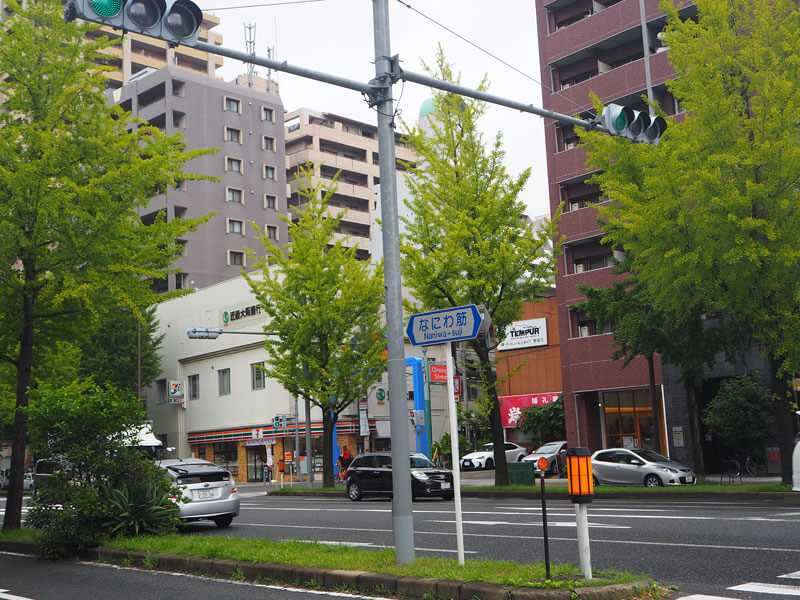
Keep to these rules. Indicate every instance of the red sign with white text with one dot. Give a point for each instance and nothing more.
(511, 406)
(438, 373)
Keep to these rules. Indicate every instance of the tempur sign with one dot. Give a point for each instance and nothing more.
(525, 334)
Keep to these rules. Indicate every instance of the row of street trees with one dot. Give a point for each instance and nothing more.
(709, 217)
(73, 172)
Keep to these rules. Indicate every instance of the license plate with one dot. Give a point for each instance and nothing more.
(205, 494)
(445, 485)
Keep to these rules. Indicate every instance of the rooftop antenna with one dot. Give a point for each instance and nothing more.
(270, 53)
(250, 45)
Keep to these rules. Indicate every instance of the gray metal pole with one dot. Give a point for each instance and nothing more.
(402, 517)
(309, 457)
(298, 475)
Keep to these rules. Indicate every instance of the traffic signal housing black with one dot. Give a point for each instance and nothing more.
(175, 21)
(635, 125)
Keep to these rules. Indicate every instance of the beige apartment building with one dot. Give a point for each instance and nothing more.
(333, 143)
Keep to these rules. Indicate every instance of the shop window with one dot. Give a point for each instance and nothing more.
(628, 418)
(226, 456)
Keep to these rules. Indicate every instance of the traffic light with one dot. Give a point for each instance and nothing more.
(203, 333)
(175, 21)
(276, 422)
(633, 124)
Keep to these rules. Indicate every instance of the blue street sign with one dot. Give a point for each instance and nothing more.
(446, 325)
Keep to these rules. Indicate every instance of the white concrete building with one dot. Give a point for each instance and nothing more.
(228, 406)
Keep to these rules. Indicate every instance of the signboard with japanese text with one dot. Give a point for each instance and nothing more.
(525, 334)
(511, 406)
(446, 325)
(236, 316)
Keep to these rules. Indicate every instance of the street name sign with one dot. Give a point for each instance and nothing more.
(446, 325)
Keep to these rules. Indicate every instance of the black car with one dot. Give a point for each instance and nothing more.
(370, 474)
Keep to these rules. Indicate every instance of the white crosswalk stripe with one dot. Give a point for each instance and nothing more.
(768, 590)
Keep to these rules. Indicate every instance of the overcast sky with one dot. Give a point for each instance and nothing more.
(335, 36)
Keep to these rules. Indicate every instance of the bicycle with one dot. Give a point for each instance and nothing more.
(751, 466)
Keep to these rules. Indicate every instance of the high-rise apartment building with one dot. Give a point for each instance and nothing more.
(332, 143)
(246, 125)
(611, 48)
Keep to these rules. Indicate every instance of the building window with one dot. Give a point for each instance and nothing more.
(224, 380)
(268, 143)
(233, 165)
(270, 201)
(272, 232)
(233, 135)
(269, 172)
(161, 390)
(194, 387)
(267, 114)
(258, 376)
(233, 195)
(235, 258)
(233, 105)
(178, 88)
(226, 456)
(235, 226)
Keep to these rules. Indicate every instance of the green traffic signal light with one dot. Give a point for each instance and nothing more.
(106, 8)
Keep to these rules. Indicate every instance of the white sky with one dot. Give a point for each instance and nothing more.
(335, 36)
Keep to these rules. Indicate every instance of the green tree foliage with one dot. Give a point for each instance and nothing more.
(72, 177)
(740, 415)
(467, 240)
(545, 423)
(710, 215)
(325, 307)
(111, 354)
(91, 435)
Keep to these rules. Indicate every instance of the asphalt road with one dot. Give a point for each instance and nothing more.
(701, 547)
(704, 548)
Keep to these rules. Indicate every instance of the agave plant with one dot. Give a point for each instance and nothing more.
(139, 507)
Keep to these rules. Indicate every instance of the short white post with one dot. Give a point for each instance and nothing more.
(582, 522)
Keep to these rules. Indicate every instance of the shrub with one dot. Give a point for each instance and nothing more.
(140, 507)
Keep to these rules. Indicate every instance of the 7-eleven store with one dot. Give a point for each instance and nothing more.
(212, 400)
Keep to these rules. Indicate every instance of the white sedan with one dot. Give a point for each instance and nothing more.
(484, 457)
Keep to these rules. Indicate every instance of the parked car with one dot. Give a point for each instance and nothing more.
(4, 481)
(638, 466)
(29, 483)
(370, 474)
(484, 458)
(210, 490)
(556, 455)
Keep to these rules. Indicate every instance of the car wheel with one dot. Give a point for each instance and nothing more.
(223, 522)
(519, 458)
(652, 481)
(595, 481)
(489, 464)
(354, 491)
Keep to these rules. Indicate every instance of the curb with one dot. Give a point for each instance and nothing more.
(336, 579)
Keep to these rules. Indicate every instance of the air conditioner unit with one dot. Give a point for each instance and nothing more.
(579, 267)
(584, 331)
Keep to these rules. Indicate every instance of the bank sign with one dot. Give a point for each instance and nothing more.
(525, 334)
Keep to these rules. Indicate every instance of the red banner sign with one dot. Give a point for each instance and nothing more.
(511, 406)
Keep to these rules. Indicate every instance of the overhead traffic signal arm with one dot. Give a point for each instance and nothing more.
(175, 21)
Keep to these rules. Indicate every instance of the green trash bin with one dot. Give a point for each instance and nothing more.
(522, 473)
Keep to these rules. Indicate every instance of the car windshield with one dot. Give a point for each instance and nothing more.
(650, 455)
(550, 448)
(487, 447)
(421, 462)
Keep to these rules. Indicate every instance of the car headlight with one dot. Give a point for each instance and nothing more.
(668, 469)
(419, 475)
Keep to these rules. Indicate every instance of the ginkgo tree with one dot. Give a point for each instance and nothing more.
(74, 171)
(467, 239)
(325, 308)
(710, 216)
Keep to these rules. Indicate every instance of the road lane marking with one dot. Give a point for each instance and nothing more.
(768, 588)
(381, 546)
(795, 575)
(6, 596)
(703, 597)
(549, 523)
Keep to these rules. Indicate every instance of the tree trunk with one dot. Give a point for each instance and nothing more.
(694, 426)
(655, 405)
(19, 435)
(489, 376)
(328, 423)
(782, 415)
